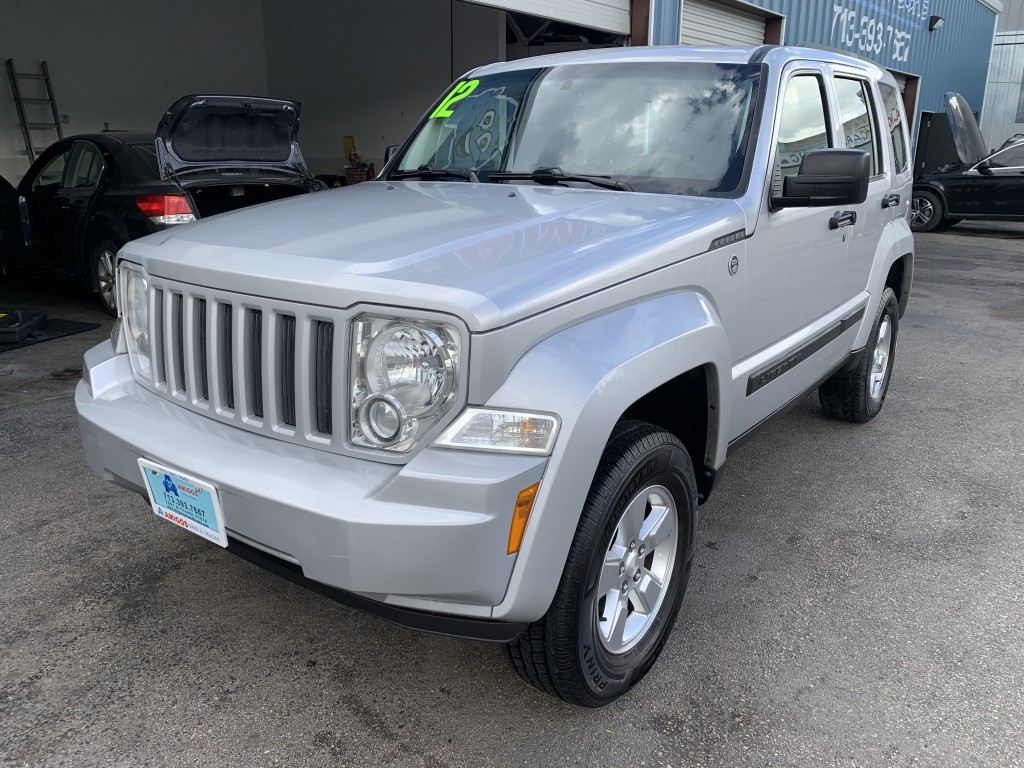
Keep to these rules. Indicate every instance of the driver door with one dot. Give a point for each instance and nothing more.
(37, 192)
(10, 232)
(795, 267)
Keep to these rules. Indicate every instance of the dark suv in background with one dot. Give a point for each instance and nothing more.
(980, 185)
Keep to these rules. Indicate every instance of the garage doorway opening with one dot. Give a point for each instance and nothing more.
(527, 35)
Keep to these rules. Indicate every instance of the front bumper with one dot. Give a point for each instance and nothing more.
(414, 543)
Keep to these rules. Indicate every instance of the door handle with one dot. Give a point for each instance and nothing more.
(842, 219)
(890, 200)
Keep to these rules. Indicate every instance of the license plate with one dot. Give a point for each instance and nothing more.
(185, 501)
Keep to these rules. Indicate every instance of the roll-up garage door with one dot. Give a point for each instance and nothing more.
(705, 22)
(610, 15)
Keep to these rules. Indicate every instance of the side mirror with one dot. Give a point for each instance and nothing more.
(390, 152)
(827, 177)
(984, 168)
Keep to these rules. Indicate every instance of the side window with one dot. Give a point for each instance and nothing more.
(858, 123)
(86, 165)
(52, 173)
(1009, 158)
(897, 128)
(803, 126)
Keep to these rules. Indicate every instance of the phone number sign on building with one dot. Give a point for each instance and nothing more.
(882, 31)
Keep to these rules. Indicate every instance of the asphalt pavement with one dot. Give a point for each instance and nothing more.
(856, 598)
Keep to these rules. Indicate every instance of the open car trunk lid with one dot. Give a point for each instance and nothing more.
(207, 134)
(970, 146)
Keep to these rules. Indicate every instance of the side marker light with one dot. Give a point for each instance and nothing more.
(521, 516)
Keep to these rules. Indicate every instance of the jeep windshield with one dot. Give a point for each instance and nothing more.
(668, 127)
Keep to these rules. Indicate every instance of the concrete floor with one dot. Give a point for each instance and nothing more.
(856, 598)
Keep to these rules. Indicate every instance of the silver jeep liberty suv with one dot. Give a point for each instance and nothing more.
(485, 393)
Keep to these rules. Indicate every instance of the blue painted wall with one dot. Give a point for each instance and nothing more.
(893, 33)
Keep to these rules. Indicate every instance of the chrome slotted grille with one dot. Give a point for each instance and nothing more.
(264, 365)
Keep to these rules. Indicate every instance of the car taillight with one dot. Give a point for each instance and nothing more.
(166, 209)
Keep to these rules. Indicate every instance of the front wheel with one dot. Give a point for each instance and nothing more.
(857, 395)
(104, 257)
(624, 577)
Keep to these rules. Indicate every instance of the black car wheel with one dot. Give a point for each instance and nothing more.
(857, 395)
(926, 211)
(103, 261)
(625, 574)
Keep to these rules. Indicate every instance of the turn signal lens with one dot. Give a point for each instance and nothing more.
(520, 517)
(484, 429)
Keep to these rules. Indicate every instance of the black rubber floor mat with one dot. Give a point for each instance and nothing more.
(54, 329)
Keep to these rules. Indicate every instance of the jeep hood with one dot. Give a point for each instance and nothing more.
(210, 133)
(970, 146)
(490, 253)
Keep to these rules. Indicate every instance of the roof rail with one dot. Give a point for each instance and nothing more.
(759, 53)
(841, 52)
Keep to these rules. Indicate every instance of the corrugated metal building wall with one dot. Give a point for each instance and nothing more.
(895, 34)
(1004, 113)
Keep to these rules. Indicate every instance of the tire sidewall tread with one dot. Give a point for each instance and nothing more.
(565, 656)
(847, 396)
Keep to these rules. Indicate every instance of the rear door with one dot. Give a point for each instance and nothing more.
(894, 119)
(859, 127)
(73, 202)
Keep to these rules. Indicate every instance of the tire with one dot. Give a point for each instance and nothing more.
(594, 644)
(857, 395)
(102, 270)
(926, 211)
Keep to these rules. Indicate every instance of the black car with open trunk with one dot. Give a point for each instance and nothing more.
(86, 196)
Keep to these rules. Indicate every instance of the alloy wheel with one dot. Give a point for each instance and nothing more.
(636, 569)
(105, 278)
(880, 361)
(921, 211)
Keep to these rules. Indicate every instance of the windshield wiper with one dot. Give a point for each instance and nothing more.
(429, 172)
(557, 176)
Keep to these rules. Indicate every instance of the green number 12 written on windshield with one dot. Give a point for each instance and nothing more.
(459, 92)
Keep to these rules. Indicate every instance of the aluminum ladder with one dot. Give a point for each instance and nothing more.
(21, 101)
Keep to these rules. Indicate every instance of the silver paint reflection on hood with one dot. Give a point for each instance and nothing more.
(490, 253)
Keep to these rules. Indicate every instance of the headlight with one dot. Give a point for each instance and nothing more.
(404, 379)
(481, 429)
(133, 284)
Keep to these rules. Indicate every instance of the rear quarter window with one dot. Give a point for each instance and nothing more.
(146, 155)
(897, 126)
